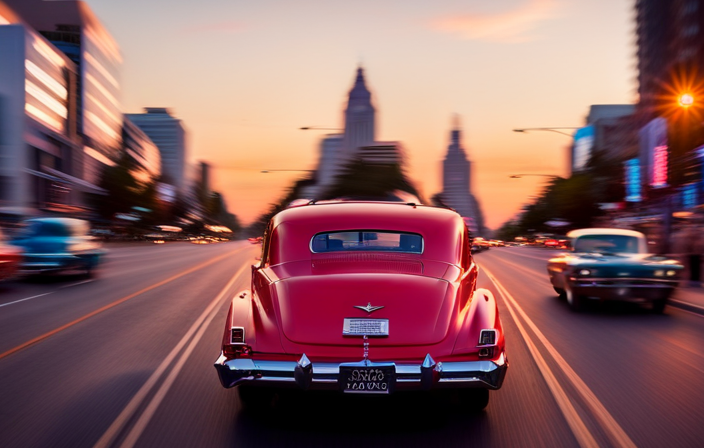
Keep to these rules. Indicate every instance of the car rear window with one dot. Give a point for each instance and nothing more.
(367, 240)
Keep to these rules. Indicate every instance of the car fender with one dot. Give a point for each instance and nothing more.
(240, 315)
(483, 314)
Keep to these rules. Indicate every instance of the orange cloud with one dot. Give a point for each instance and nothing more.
(507, 26)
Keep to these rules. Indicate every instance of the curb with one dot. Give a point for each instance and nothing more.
(686, 306)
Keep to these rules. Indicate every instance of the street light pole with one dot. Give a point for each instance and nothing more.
(518, 176)
(549, 129)
(315, 128)
(271, 171)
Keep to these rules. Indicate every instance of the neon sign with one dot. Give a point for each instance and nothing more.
(633, 180)
(659, 166)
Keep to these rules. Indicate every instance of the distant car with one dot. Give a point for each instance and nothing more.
(305, 325)
(52, 245)
(10, 257)
(613, 264)
(551, 243)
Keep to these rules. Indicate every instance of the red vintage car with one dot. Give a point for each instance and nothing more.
(364, 298)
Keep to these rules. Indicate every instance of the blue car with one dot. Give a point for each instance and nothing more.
(52, 245)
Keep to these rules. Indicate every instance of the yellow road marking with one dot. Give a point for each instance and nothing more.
(615, 433)
(114, 304)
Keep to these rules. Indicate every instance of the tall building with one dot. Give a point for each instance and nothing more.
(40, 154)
(143, 152)
(359, 117)
(72, 27)
(457, 181)
(169, 135)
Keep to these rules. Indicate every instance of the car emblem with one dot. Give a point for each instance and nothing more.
(369, 308)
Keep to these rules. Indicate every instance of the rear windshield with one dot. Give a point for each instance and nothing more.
(367, 240)
(607, 244)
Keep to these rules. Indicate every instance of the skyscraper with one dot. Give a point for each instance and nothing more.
(359, 117)
(72, 27)
(456, 181)
(169, 136)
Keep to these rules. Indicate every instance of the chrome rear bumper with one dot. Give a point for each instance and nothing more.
(324, 376)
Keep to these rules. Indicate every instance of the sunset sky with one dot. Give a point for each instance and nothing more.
(244, 76)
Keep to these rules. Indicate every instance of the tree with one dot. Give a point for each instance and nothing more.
(370, 180)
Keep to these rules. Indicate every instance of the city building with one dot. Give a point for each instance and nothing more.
(72, 27)
(382, 153)
(457, 182)
(610, 130)
(143, 152)
(356, 142)
(169, 135)
(360, 115)
(40, 153)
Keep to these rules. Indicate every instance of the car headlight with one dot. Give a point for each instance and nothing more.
(659, 273)
(584, 272)
(671, 273)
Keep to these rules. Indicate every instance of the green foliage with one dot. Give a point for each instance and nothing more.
(574, 200)
(123, 190)
(367, 180)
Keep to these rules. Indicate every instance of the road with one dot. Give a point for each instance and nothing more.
(127, 359)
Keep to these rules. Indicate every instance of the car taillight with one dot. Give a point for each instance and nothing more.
(487, 343)
(487, 337)
(237, 351)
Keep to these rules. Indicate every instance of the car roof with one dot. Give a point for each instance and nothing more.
(360, 214)
(604, 231)
(442, 229)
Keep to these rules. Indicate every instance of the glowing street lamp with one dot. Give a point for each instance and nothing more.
(686, 100)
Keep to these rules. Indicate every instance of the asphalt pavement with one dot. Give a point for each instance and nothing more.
(127, 360)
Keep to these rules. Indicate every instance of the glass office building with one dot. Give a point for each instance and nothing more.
(72, 27)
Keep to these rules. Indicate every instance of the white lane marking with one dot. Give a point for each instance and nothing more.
(615, 433)
(699, 312)
(27, 298)
(128, 412)
(76, 284)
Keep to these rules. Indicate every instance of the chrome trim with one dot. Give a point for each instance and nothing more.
(622, 279)
(369, 308)
(305, 374)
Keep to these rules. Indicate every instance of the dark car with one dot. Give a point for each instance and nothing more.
(52, 245)
(613, 264)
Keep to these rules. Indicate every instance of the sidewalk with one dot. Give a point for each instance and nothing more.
(689, 296)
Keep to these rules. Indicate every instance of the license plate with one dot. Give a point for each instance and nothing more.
(367, 379)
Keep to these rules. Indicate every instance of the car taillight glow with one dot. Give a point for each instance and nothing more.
(237, 351)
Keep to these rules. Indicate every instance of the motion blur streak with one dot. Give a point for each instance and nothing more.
(144, 419)
(126, 415)
(579, 429)
(615, 433)
(111, 305)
